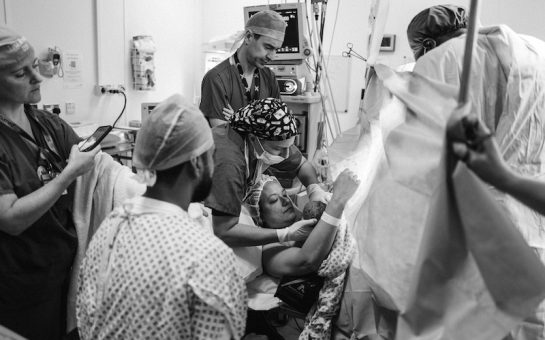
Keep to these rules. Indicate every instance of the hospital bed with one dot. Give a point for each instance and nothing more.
(261, 288)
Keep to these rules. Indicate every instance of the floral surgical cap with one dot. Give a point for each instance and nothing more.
(175, 132)
(433, 23)
(13, 47)
(251, 201)
(267, 119)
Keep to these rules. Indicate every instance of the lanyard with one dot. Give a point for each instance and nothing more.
(48, 153)
(247, 87)
(247, 158)
(258, 171)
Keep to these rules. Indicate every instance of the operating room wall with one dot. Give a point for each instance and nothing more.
(71, 25)
(179, 27)
(225, 17)
(523, 16)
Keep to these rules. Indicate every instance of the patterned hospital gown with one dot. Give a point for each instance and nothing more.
(152, 272)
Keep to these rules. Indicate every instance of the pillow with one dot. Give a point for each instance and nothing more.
(248, 258)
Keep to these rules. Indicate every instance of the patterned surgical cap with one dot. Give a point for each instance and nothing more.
(266, 119)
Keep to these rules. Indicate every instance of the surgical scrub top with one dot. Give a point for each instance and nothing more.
(222, 85)
(35, 264)
(233, 175)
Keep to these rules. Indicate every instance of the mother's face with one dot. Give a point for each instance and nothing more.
(276, 209)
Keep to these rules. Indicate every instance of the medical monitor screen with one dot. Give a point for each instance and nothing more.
(291, 43)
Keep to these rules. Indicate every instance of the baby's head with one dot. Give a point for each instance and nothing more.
(313, 209)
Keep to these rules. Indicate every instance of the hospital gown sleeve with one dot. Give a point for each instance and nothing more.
(221, 291)
(213, 97)
(207, 323)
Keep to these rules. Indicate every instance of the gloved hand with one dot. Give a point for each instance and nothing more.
(316, 193)
(480, 151)
(199, 213)
(298, 231)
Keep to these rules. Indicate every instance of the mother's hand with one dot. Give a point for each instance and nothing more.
(345, 186)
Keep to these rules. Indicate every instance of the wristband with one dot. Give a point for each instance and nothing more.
(331, 220)
(282, 235)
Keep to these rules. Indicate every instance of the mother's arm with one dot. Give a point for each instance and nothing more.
(279, 260)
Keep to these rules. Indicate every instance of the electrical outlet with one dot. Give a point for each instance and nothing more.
(70, 108)
(106, 89)
(103, 89)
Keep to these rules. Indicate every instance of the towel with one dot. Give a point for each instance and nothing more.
(97, 193)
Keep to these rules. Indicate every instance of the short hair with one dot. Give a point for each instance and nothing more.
(169, 176)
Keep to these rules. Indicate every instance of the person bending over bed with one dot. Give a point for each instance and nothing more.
(327, 251)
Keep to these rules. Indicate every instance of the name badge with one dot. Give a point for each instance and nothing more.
(45, 175)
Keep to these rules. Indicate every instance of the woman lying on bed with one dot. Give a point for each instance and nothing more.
(271, 207)
(327, 251)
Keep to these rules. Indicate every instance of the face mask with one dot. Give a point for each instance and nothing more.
(268, 158)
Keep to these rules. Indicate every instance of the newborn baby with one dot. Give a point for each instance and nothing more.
(313, 209)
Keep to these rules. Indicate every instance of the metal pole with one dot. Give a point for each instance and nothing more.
(471, 40)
